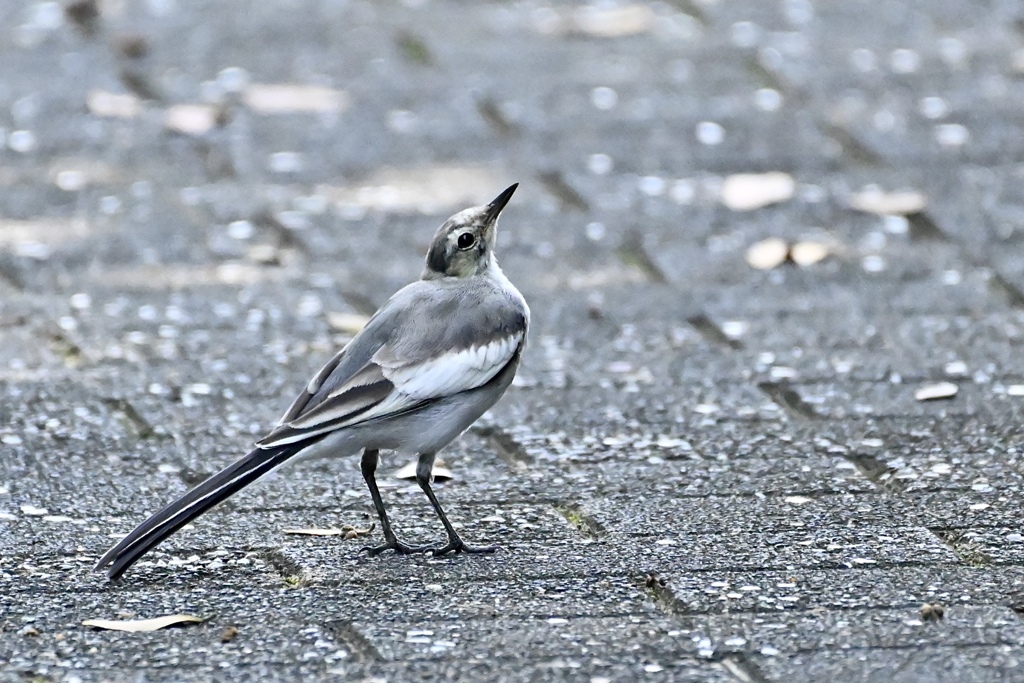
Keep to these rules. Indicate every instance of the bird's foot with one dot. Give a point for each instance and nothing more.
(457, 545)
(399, 547)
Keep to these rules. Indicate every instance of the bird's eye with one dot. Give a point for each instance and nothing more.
(466, 240)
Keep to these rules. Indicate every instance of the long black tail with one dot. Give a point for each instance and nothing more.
(217, 488)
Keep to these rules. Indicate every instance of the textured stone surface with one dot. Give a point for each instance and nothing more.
(705, 472)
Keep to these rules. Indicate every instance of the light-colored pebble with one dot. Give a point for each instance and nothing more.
(939, 390)
(749, 191)
(767, 254)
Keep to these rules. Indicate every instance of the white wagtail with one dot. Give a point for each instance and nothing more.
(430, 362)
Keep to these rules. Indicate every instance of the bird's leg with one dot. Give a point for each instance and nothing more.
(391, 542)
(424, 470)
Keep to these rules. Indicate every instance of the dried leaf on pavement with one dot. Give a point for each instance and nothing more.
(936, 391)
(767, 254)
(808, 253)
(285, 98)
(888, 203)
(313, 532)
(749, 191)
(113, 105)
(440, 472)
(350, 323)
(191, 119)
(143, 625)
(347, 531)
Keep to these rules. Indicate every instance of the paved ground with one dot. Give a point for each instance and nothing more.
(706, 472)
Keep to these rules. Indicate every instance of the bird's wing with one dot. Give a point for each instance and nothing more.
(420, 355)
(429, 341)
(302, 400)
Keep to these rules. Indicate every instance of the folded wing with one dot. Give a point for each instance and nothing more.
(389, 384)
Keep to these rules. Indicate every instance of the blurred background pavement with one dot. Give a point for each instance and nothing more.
(769, 418)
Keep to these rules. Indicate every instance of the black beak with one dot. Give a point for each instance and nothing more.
(495, 207)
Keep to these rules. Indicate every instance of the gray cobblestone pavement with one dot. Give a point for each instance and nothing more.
(705, 472)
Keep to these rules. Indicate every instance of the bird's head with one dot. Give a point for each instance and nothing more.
(463, 246)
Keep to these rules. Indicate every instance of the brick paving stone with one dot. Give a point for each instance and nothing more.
(861, 587)
(862, 629)
(979, 664)
(624, 513)
(705, 472)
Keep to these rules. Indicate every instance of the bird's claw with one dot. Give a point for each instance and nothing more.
(457, 545)
(397, 546)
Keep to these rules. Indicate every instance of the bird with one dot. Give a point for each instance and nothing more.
(433, 359)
